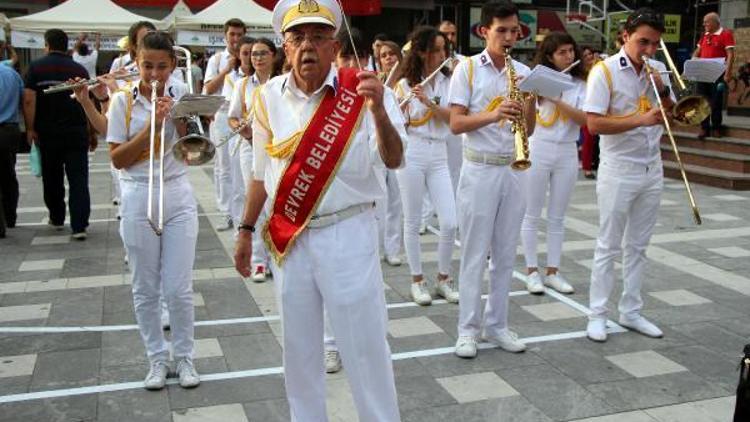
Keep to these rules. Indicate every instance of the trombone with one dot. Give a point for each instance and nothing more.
(690, 110)
(691, 198)
(156, 225)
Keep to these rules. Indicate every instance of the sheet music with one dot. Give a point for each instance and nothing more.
(546, 82)
(704, 70)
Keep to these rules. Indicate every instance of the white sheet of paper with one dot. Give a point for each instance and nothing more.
(704, 70)
(546, 82)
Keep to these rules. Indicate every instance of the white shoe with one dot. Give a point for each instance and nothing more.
(157, 376)
(507, 340)
(115, 201)
(596, 330)
(422, 228)
(466, 347)
(126, 259)
(393, 260)
(559, 283)
(447, 290)
(534, 283)
(641, 325)
(259, 276)
(79, 236)
(333, 361)
(420, 294)
(227, 224)
(57, 227)
(187, 374)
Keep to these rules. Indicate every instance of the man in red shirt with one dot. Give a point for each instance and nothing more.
(715, 42)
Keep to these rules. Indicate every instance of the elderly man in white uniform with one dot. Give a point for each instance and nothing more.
(622, 107)
(219, 66)
(489, 200)
(324, 136)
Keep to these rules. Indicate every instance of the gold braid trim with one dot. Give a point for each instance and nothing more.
(493, 105)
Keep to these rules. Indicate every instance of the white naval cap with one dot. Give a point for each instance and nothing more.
(289, 13)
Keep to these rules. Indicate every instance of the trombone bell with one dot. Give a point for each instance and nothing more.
(691, 110)
(194, 149)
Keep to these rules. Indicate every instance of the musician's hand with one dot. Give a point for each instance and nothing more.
(659, 81)
(231, 64)
(509, 110)
(247, 132)
(243, 253)
(31, 136)
(420, 95)
(163, 107)
(108, 82)
(371, 88)
(82, 92)
(652, 117)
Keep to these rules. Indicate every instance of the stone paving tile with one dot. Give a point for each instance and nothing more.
(731, 251)
(41, 265)
(74, 408)
(134, 405)
(714, 410)
(637, 416)
(509, 409)
(645, 364)
(17, 366)
(50, 240)
(66, 369)
(227, 392)
(221, 413)
(207, 348)
(24, 312)
(18, 344)
(251, 351)
(719, 217)
(680, 297)
(552, 311)
(408, 327)
(476, 387)
(268, 411)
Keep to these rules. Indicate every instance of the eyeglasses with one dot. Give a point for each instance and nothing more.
(315, 39)
(260, 54)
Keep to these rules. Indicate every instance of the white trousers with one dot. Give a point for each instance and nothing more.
(222, 164)
(426, 170)
(554, 169)
(455, 158)
(260, 253)
(237, 183)
(628, 196)
(388, 212)
(337, 267)
(162, 263)
(490, 210)
(115, 181)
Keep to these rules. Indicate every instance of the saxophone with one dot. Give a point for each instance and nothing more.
(518, 126)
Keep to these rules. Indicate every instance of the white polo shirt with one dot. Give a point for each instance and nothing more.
(215, 63)
(562, 129)
(140, 117)
(437, 91)
(614, 89)
(360, 178)
(475, 92)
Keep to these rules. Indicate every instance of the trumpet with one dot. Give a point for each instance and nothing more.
(518, 126)
(69, 86)
(690, 109)
(650, 70)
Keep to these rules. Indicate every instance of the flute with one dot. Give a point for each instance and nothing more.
(391, 74)
(67, 86)
(425, 82)
(569, 68)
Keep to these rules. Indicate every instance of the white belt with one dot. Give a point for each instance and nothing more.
(325, 220)
(487, 158)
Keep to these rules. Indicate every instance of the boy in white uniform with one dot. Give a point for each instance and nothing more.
(622, 108)
(489, 200)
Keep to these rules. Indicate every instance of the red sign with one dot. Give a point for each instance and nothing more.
(351, 7)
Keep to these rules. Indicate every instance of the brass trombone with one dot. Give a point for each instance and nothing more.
(156, 225)
(691, 198)
(690, 110)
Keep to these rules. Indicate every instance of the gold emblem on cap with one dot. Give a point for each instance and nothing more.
(308, 6)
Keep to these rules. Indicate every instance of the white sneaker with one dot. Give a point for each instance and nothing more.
(534, 283)
(422, 228)
(507, 340)
(596, 330)
(641, 325)
(447, 290)
(259, 276)
(420, 294)
(57, 227)
(333, 361)
(466, 347)
(189, 377)
(157, 376)
(393, 260)
(79, 236)
(227, 224)
(559, 283)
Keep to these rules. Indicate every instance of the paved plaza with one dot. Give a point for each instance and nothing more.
(70, 350)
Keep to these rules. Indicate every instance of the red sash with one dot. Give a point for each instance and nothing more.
(313, 165)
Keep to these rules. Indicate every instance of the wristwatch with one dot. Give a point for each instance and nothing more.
(247, 227)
